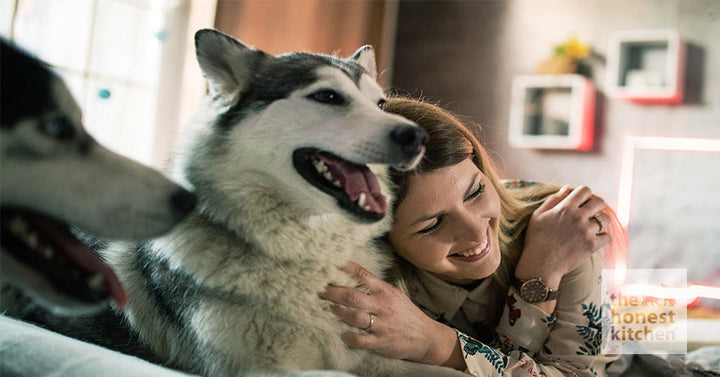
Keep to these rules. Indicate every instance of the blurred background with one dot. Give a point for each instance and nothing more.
(654, 158)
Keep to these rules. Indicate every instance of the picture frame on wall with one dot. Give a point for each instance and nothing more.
(552, 112)
(646, 66)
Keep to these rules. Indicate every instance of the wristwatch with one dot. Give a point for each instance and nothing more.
(534, 290)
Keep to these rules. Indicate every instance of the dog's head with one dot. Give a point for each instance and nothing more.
(53, 175)
(306, 125)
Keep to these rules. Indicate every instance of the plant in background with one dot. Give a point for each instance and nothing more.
(565, 58)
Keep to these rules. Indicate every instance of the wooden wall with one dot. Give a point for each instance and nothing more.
(330, 27)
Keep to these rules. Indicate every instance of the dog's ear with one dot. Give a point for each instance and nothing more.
(226, 63)
(365, 56)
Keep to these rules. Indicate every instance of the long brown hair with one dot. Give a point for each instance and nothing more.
(451, 141)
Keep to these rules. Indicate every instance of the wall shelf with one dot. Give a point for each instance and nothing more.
(552, 112)
(646, 66)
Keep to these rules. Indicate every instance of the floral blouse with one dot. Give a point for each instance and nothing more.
(502, 335)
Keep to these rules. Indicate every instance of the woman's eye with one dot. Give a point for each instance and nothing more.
(327, 96)
(476, 193)
(432, 227)
(59, 128)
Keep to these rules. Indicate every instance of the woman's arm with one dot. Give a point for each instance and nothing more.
(399, 329)
(571, 340)
(561, 235)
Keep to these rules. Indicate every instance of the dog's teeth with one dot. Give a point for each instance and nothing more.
(18, 225)
(96, 281)
(328, 176)
(32, 240)
(337, 184)
(47, 252)
(320, 166)
(361, 200)
(367, 208)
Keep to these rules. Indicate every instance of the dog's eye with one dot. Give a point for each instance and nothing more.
(59, 128)
(327, 96)
(381, 104)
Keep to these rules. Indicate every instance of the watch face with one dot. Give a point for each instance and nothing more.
(533, 291)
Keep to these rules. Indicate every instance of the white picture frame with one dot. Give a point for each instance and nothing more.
(552, 112)
(646, 66)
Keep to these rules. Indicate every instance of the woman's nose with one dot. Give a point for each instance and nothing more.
(471, 228)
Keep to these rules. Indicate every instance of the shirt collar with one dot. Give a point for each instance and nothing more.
(442, 298)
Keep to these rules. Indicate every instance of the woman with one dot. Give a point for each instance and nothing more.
(467, 246)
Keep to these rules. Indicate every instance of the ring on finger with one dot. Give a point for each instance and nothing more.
(599, 220)
(370, 325)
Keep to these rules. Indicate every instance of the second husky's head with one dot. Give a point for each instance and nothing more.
(301, 125)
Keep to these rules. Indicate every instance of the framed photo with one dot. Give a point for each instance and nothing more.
(552, 112)
(646, 66)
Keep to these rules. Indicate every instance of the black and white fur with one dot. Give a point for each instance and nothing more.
(233, 290)
(53, 175)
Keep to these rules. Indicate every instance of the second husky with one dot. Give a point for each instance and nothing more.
(54, 175)
(278, 162)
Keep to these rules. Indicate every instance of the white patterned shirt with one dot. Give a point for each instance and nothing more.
(502, 335)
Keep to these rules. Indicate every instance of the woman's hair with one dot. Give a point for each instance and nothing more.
(451, 141)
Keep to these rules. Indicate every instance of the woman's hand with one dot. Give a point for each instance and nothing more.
(389, 323)
(561, 234)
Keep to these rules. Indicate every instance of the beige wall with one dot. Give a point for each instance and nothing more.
(466, 53)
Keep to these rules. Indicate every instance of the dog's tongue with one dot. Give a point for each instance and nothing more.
(63, 241)
(89, 262)
(356, 180)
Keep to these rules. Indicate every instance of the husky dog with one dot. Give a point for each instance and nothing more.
(278, 162)
(52, 175)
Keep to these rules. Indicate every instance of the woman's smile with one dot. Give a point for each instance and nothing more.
(474, 253)
(448, 223)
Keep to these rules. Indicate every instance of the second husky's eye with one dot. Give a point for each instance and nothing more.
(381, 104)
(327, 96)
(60, 128)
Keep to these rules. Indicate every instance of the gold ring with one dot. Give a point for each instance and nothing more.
(598, 219)
(372, 321)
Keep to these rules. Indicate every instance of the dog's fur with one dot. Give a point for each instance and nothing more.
(233, 290)
(53, 174)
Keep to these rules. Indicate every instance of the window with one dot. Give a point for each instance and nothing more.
(122, 60)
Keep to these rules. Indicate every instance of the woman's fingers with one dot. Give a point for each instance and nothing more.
(360, 341)
(346, 296)
(602, 221)
(360, 319)
(554, 199)
(363, 276)
(583, 203)
(578, 197)
(601, 240)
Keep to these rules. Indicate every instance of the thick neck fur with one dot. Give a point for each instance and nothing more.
(260, 215)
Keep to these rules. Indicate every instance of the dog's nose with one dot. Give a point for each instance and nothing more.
(183, 202)
(410, 138)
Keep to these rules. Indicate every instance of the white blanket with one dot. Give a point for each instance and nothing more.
(27, 350)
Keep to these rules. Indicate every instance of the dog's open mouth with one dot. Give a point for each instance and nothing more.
(354, 186)
(49, 247)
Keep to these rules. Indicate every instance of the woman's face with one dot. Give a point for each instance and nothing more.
(448, 224)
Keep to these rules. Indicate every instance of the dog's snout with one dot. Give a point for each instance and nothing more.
(183, 202)
(410, 138)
